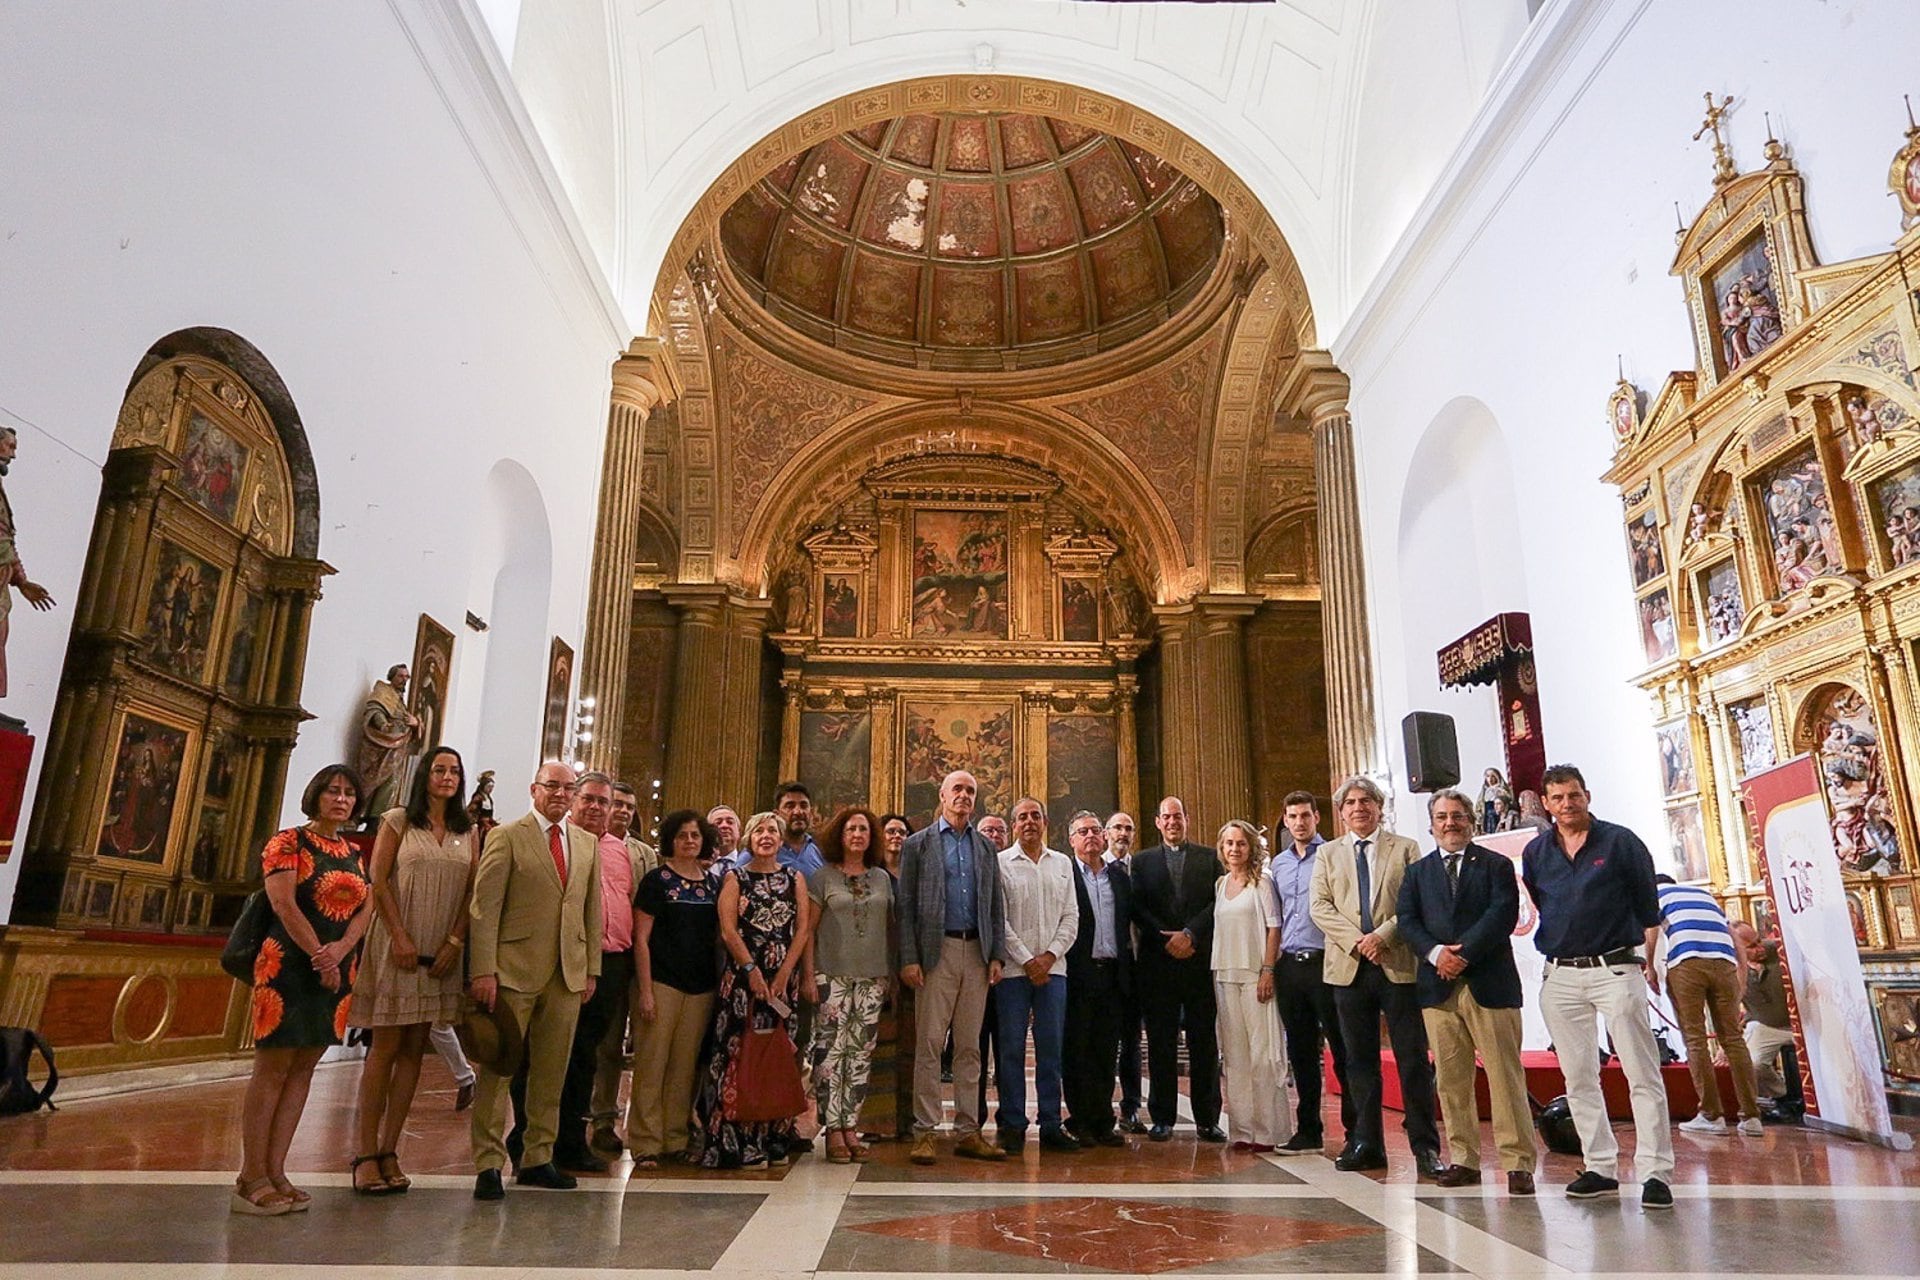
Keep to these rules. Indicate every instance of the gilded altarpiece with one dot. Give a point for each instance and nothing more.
(960, 611)
(1772, 510)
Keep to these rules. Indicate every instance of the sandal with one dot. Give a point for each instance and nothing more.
(301, 1200)
(258, 1199)
(396, 1180)
(379, 1188)
(860, 1152)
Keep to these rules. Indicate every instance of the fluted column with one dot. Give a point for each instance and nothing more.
(1127, 737)
(1176, 629)
(641, 380)
(1317, 392)
(1226, 746)
(699, 683)
(743, 704)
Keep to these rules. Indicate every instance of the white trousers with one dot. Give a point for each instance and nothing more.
(1253, 1053)
(1764, 1044)
(447, 1045)
(1569, 1001)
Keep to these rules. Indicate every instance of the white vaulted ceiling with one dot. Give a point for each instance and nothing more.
(1338, 114)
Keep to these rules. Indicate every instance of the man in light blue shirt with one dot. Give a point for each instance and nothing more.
(798, 853)
(1304, 999)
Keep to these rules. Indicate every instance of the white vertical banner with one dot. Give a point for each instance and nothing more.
(1827, 991)
(1526, 956)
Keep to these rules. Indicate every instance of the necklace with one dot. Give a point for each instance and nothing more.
(860, 892)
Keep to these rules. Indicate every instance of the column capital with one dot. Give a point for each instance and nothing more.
(1314, 388)
(706, 599)
(646, 376)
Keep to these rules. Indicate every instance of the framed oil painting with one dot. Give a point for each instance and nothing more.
(1677, 776)
(840, 605)
(1689, 837)
(1898, 1022)
(1743, 309)
(1643, 548)
(1723, 605)
(216, 784)
(836, 759)
(938, 737)
(137, 820)
(1083, 764)
(209, 837)
(432, 671)
(213, 466)
(1080, 609)
(553, 724)
(1803, 542)
(960, 574)
(1751, 727)
(1657, 634)
(1895, 499)
(181, 604)
(241, 648)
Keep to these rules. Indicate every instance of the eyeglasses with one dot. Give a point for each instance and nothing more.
(556, 786)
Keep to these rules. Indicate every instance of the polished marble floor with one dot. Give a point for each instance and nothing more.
(135, 1185)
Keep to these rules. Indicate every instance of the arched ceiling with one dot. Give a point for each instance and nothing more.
(968, 240)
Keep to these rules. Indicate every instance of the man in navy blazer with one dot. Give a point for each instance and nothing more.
(1099, 981)
(1458, 906)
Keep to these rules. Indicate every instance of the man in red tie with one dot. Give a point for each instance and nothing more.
(535, 945)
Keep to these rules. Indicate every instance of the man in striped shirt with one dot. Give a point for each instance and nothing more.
(1701, 981)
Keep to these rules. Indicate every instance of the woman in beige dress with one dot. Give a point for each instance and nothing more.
(410, 976)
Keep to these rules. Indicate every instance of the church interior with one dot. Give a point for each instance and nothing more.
(1115, 401)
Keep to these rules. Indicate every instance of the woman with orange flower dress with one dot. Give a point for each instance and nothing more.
(302, 982)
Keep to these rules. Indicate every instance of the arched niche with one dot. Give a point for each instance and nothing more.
(1838, 725)
(179, 701)
(513, 572)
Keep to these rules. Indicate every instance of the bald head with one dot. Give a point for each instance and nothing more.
(958, 790)
(1172, 820)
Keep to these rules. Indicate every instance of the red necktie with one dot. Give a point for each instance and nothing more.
(559, 854)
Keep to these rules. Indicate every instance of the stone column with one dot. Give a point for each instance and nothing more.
(741, 705)
(642, 379)
(1226, 711)
(1176, 629)
(1317, 391)
(694, 740)
(1127, 754)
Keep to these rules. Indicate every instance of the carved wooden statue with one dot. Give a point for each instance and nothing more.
(387, 731)
(12, 572)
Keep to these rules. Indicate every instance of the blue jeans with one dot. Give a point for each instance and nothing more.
(1014, 999)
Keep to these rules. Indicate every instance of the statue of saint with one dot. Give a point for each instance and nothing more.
(12, 572)
(387, 733)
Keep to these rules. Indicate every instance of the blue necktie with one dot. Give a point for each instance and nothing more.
(1366, 884)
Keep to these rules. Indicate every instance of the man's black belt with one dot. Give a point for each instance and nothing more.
(965, 935)
(1303, 957)
(1103, 960)
(1623, 955)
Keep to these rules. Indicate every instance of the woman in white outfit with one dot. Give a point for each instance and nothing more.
(1246, 939)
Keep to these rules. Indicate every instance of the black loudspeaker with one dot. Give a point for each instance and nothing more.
(1433, 753)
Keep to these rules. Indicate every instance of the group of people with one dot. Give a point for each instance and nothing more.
(562, 930)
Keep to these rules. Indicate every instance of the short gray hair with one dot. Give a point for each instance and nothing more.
(1449, 793)
(1363, 784)
(595, 778)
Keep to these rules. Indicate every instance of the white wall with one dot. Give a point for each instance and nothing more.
(296, 174)
(1542, 255)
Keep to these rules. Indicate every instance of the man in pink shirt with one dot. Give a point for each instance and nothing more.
(592, 808)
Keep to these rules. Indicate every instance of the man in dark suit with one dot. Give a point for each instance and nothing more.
(1173, 921)
(1099, 980)
(953, 923)
(1457, 908)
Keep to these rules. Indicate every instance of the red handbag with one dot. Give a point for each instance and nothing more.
(767, 1078)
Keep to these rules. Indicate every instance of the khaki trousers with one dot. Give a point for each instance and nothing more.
(1455, 1030)
(1764, 1044)
(955, 995)
(1703, 986)
(548, 1016)
(666, 1053)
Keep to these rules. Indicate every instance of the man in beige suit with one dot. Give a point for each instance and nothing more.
(1355, 902)
(535, 943)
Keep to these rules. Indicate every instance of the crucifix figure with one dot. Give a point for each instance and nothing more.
(1723, 170)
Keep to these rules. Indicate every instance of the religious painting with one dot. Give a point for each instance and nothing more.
(1902, 913)
(180, 608)
(840, 605)
(1676, 759)
(1083, 765)
(1657, 634)
(153, 907)
(1802, 539)
(940, 737)
(1079, 610)
(432, 669)
(222, 763)
(212, 466)
(1858, 918)
(1689, 842)
(1643, 548)
(1751, 727)
(1745, 310)
(145, 785)
(208, 837)
(1895, 501)
(241, 648)
(553, 725)
(836, 758)
(1846, 746)
(1898, 1010)
(960, 574)
(1722, 604)
(100, 899)
(1763, 921)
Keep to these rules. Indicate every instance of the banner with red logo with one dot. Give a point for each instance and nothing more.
(1826, 990)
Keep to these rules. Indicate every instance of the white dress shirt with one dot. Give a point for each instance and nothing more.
(1042, 912)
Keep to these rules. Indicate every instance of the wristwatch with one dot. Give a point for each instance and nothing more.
(748, 967)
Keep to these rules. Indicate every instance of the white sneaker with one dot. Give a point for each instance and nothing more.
(1752, 1128)
(1706, 1126)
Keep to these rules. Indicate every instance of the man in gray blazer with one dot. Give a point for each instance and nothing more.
(953, 924)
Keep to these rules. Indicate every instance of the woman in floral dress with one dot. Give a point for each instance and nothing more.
(302, 982)
(763, 911)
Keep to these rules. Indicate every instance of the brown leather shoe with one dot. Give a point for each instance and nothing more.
(975, 1147)
(923, 1151)
(1519, 1183)
(1457, 1175)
